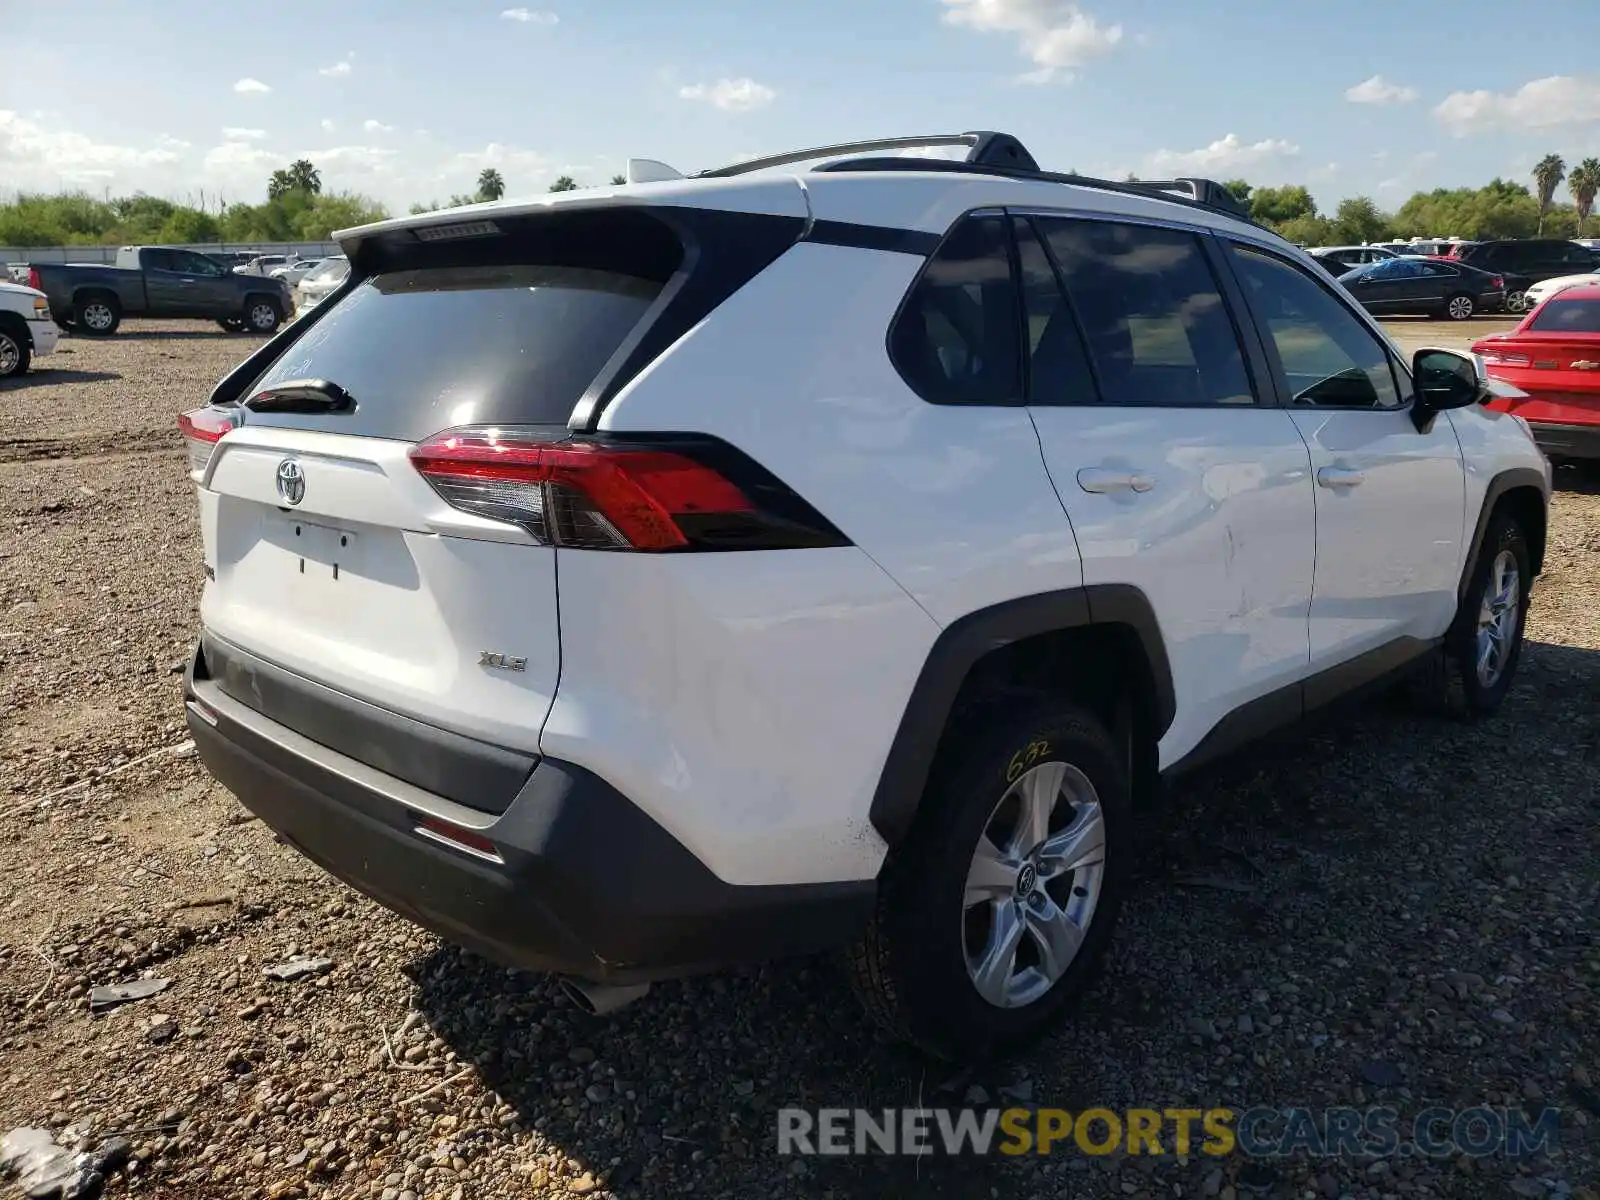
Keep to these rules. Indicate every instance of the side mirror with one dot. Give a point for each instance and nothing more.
(1446, 379)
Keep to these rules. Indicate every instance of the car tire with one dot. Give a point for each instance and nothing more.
(16, 350)
(934, 968)
(231, 324)
(1459, 307)
(97, 314)
(261, 315)
(1469, 676)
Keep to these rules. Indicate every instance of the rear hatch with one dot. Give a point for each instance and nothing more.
(408, 626)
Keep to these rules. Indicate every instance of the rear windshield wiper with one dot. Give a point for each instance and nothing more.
(302, 396)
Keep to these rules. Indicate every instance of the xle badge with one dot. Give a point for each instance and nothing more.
(501, 662)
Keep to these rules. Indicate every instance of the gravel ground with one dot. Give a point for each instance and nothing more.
(1400, 892)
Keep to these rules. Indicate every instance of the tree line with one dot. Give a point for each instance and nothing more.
(298, 210)
(1502, 208)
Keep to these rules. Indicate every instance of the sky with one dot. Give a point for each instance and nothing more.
(407, 100)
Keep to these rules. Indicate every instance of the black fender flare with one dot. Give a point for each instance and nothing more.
(964, 642)
(1505, 481)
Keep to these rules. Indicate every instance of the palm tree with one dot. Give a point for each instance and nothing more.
(618, 180)
(1584, 183)
(1547, 176)
(490, 185)
(305, 176)
(565, 184)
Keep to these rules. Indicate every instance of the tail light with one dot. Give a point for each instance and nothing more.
(33, 279)
(202, 429)
(1504, 358)
(681, 495)
(1498, 281)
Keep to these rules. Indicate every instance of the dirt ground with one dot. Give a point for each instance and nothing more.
(1387, 910)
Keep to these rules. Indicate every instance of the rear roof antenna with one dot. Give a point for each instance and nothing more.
(650, 170)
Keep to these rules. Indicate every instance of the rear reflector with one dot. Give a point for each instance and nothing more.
(458, 837)
(202, 429)
(618, 496)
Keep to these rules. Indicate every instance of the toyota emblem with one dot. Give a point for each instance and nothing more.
(291, 481)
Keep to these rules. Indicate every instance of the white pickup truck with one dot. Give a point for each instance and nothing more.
(26, 329)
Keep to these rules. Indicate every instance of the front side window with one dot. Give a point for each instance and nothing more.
(957, 338)
(1329, 358)
(1157, 327)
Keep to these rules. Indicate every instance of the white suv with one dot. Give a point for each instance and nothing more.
(644, 580)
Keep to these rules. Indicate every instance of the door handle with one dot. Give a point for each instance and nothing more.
(1098, 479)
(1340, 477)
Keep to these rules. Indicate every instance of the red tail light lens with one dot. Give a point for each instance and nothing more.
(1504, 358)
(202, 429)
(617, 496)
(33, 279)
(1498, 281)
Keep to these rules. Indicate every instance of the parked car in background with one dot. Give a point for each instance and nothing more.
(1554, 357)
(1538, 293)
(1536, 259)
(294, 272)
(159, 281)
(265, 264)
(1427, 286)
(317, 284)
(1339, 259)
(26, 330)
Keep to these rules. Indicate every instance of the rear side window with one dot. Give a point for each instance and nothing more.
(1058, 361)
(956, 339)
(507, 331)
(1157, 327)
(1568, 316)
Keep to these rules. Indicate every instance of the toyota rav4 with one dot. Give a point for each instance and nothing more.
(650, 579)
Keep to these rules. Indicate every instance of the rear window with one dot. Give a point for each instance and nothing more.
(426, 349)
(1567, 316)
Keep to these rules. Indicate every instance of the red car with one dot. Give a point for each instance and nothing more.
(1553, 356)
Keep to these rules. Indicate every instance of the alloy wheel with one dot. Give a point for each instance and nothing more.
(1516, 302)
(97, 315)
(1033, 884)
(1498, 615)
(263, 316)
(1460, 308)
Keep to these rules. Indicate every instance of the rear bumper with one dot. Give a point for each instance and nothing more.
(1567, 441)
(585, 883)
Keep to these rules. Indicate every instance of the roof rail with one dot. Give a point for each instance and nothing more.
(988, 153)
(1198, 193)
(984, 147)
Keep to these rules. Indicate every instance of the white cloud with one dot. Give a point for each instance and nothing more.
(529, 16)
(32, 155)
(327, 125)
(730, 95)
(240, 161)
(235, 134)
(250, 85)
(1221, 157)
(1055, 35)
(1379, 90)
(339, 70)
(1539, 104)
(372, 126)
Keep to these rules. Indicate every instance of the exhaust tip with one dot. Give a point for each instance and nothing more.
(599, 999)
